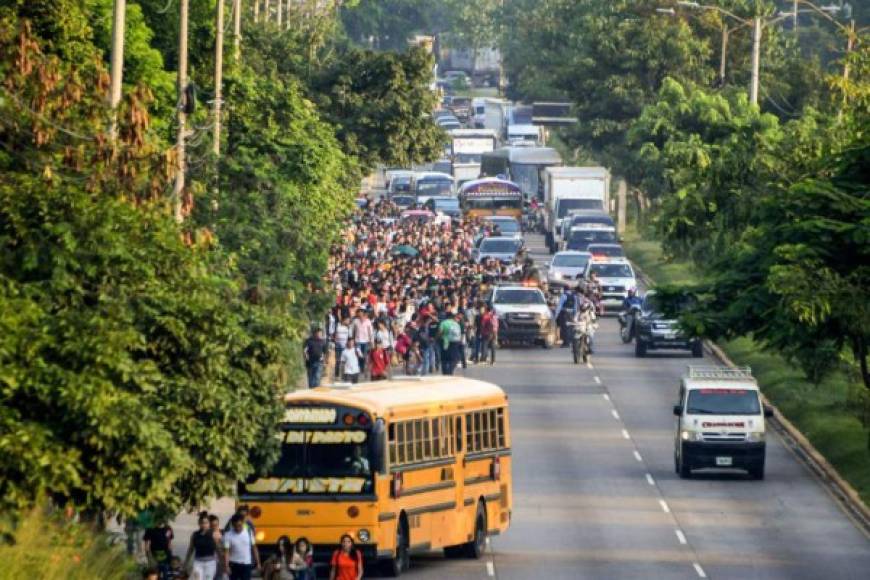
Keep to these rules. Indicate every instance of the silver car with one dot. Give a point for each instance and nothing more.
(567, 268)
(503, 249)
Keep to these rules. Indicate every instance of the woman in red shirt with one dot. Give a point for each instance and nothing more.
(347, 561)
(379, 362)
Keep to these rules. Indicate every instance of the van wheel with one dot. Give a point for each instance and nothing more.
(684, 468)
(393, 567)
(698, 349)
(639, 348)
(476, 547)
(757, 470)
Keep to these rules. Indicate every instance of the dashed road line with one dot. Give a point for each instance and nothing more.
(637, 455)
(597, 380)
(699, 570)
(490, 568)
(625, 434)
(681, 537)
(606, 397)
(650, 480)
(615, 414)
(665, 507)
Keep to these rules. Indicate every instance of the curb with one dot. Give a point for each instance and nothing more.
(843, 493)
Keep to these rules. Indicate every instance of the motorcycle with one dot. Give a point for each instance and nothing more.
(628, 323)
(581, 333)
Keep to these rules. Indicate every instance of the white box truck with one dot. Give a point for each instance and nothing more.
(569, 189)
(467, 147)
(495, 116)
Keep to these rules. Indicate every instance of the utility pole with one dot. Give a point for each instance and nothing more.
(237, 30)
(280, 13)
(756, 59)
(120, 11)
(182, 113)
(723, 59)
(794, 12)
(256, 10)
(267, 9)
(218, 74)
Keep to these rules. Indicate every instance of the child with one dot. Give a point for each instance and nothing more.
(302, 562)
(350, 358)
(176, 572)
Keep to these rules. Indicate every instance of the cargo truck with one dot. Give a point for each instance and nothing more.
(569, 189)
(467, 147)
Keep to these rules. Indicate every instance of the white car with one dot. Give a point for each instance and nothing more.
(616, 277)
(567, 268)
(523, 314)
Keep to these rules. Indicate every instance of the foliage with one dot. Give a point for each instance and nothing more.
(107, 314)
(378, 102)
(388, 24)
(47, 546)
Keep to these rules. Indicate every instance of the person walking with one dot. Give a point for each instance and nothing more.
(314, 351)
(379, 362)
(350, 359)
(157, 543)
(277, 567)
(242, 556)
(364, 334)
(202, 551)
(488, 334)
(450, 335)
(347, 561)
(214, 524)
(302, 562)
(340, 337)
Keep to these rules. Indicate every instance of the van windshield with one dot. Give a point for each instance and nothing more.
(723, 402)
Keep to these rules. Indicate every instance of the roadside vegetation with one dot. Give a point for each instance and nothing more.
(145, 337)
(834, 414)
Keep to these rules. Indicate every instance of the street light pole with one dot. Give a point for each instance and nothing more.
(723, 58)
(756, 60)
(117, 63)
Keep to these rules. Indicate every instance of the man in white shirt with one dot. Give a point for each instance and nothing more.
(342, 333)
(363, 333)
(240, 550)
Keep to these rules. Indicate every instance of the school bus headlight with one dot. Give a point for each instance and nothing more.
(261, 536)
(363, 535)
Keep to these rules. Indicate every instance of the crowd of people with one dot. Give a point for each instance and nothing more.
(409, 299)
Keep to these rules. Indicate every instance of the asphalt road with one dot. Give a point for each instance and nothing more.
(596, 495)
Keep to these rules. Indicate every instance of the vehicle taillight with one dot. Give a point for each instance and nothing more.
(397, 485)
(496, 469)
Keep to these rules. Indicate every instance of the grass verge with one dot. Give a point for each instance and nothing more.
(825, 413)
(48, 547)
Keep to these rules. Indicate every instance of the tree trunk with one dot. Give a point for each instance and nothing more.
(859, 350)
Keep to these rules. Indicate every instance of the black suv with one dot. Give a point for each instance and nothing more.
(654, 331)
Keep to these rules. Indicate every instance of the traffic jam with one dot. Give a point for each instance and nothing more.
(497, 173)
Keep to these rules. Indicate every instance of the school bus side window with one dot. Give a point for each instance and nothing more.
(427, 439)
(501, 439)
(436, 437)
(458, 437)
(469, 433)
(392, 443)
(400, 442)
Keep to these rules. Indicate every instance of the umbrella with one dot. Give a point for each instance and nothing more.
(405, 250)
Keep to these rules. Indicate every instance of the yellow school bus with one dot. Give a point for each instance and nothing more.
(404, 466)
(491, 196)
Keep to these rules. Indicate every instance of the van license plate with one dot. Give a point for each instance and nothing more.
(723, 462)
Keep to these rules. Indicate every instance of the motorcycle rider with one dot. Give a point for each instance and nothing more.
(566, 310)
(585, 320)
(632, 300)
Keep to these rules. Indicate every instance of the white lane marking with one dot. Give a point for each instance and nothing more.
(606, 396)
(615, 414)
(637, 456)
(625, 434)
(650, 480)
(597, 380)
(664, 505)
(699, 570)
(487, 540)
(681, 537)
(490, 569)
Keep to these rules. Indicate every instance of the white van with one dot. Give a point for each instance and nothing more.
(720, 421)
